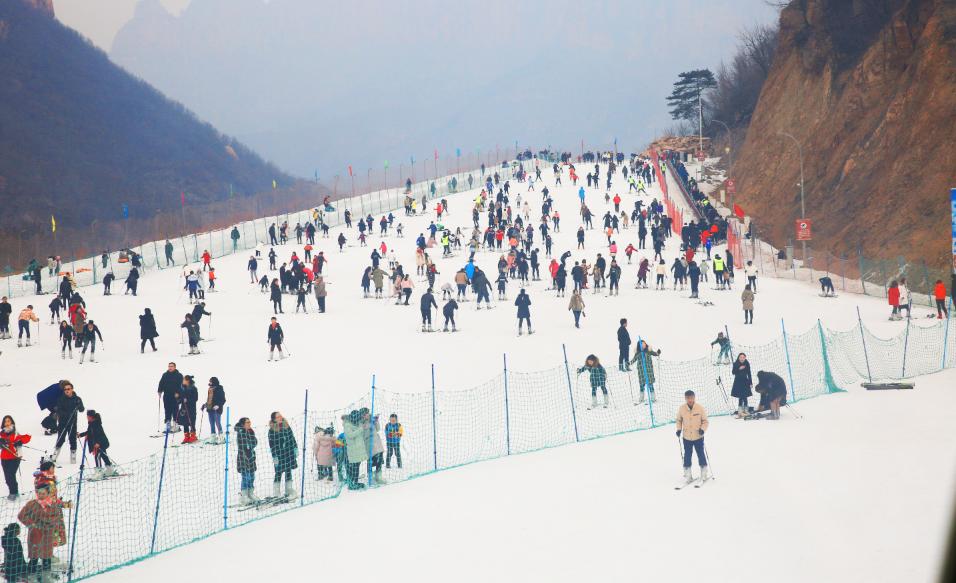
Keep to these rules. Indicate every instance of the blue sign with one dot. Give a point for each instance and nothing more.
(125, 211)
(458, 152)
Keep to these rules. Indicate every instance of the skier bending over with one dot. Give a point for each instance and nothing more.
(723, 357)
(772, 391)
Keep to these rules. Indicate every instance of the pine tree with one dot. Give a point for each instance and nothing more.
(686, 96)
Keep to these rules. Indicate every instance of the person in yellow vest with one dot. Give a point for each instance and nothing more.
(719, 268)
(692, 422)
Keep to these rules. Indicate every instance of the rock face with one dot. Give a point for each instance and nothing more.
(868, 87)
(45, 6)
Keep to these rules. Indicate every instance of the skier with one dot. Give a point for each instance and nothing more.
(55, 306)
(147, 330)
(772, 391)
(246, 443)
(939, 294)
(169, 253)
(598, 378)
(107, 283)
(743, 382)
(26, 316)
(67, 338)
(750, 270)
(215, 401)
(321, 293)
(645, 369)
(448, 311)
(723, 343)
(826, 286)
(169, 386)
(576, 306)
(275, 295)
(893, 296)
(623, 346)
(186, 401)
(252, 267)
(192, 333)
(275, 337)
(68, 405)
(97, 443)
(88, 336)
(523, 302)
(692, 422)
(132, 281)
(426, 304)
(284, 449)
(10, 444)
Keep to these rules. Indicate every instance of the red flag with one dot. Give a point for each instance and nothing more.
(738, 211)
(436, 154)
(182, 198)
(350, 169)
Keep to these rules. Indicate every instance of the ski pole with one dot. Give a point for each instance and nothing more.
(709, 465)
(794, 411)
(680, 450)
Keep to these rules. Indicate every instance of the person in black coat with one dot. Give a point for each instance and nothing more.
(14, 564)
(5, 311)
(192, 333)
(87, 336)
(742, 383)
(132, 281)
(772, 391)
(147, 330)
(275, 294)
(275, 337)
(169, 387)
(426, 304)
(246, 443)
(97, 443)
(188, 397)
(285, 454)
(623, 346)
(523, 302)
(68, 405)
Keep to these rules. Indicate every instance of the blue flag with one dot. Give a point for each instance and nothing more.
(125, 211)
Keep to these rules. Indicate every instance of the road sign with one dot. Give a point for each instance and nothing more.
(731, 186)
(804, 230)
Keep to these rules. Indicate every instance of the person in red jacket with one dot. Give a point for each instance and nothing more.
(939, 292)
(893, 298)
(10, 443)
(206, 259)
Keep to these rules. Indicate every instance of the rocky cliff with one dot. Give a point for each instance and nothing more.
(868, 87)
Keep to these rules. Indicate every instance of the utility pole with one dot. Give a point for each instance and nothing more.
(803, 210)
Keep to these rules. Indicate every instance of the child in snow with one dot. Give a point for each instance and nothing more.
(97, 443)
(393, 440)
(723, 342)
(323, 450)
(246, 443)
(598, 378)
(14, 565)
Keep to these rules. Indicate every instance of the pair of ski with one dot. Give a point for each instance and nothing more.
(697, 482)
(267, 502)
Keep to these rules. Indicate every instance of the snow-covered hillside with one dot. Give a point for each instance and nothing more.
(795, 496)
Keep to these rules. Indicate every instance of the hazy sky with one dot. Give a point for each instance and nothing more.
(316, 85)
(100, 20)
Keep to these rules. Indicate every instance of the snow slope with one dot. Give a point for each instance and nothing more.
(336, 354)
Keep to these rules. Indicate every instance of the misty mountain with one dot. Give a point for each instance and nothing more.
(316, 85)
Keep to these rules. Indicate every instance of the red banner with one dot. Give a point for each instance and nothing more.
(182, 198)
(350, 169)
(738, 211)
(804, 230)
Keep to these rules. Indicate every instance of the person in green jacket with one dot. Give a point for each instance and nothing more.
(356, 447)
(598, 377)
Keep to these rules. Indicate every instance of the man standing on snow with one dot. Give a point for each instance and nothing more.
(523, 302)
(623, 346)
(692, 422)
(169, 385)
(426, 305)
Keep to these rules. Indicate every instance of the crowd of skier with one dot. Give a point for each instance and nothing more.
(513, 221)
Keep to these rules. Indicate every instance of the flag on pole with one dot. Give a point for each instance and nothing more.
(413, 160)
(125, 211)
(738, 211)
(52, 224)
(436, 153)
(386, 164)
(182, 198)
(350, 169)
(274, 185)
(458, 152)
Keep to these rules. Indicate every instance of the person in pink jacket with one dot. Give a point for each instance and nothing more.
(322, 450)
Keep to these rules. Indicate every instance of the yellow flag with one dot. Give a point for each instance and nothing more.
(52, 224)
(274, 185)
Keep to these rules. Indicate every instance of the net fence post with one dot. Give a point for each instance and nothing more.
(574, 414)
(305, 427)
(507, 409)
(225, 479)
(906, 341)
(159, 491)
(786, 351)
(866, 356)
(827, 371)
(76, 513)
(371, 434)
(434, 425)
